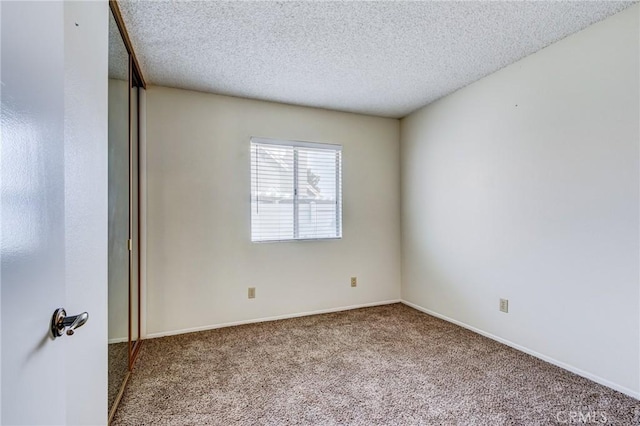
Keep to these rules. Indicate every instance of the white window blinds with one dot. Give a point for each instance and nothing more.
(296, 190)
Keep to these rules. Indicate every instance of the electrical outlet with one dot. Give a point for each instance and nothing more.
(252, 292)
(504, 305)
(354, 281)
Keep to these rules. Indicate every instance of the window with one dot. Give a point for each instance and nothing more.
(296, 190)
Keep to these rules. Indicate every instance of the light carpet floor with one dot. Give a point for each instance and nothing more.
(118, 356)
(387, 365)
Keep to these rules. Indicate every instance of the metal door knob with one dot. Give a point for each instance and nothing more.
(61, 322)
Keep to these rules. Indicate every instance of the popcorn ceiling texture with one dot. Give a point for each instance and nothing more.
(379, 58)
(118, 56)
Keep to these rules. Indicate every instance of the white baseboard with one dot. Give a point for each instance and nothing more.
(274, 318)
(118, 340)
(526, 350)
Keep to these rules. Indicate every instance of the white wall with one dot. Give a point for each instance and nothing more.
(524, 185)
(200, 260)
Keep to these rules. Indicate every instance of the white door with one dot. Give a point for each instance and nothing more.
(53, 212)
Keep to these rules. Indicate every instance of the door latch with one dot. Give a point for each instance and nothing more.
(61, 322)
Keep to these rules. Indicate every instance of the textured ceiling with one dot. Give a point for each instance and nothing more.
(380, 58)
(118, 56)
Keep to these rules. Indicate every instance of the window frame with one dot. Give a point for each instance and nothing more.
(337, 148)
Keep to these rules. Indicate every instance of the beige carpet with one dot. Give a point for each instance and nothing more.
(388, 365)
(118, 355)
